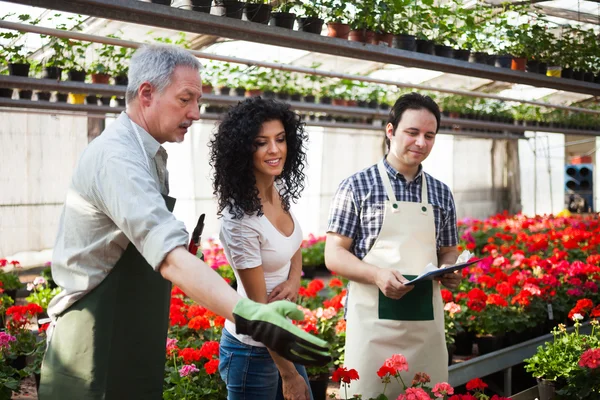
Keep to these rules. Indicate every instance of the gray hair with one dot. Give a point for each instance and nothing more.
(155, 64)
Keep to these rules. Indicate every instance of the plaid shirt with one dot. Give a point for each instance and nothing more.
(358, 206)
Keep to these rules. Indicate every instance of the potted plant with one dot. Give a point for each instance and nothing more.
(15, 54)
(337, 18)
(310, 16)
(403, 25)
(100, 68)
(10, 283)
(41, 293)
(258, 11)
(233, 8)
(282, 15)
(363, 22)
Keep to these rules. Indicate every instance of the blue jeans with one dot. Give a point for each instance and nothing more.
(249, 371)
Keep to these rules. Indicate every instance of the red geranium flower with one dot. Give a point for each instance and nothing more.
(342, 374)
(476, 384)
(590, 359)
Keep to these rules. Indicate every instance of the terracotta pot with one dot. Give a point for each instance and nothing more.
(207, 89)
(384, 39)
(339, 102)
(100, 78)
(518, 64)
(338, 30)
(361, 35)
(253, 92)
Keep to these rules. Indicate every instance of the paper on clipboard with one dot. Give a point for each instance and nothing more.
(431, 271)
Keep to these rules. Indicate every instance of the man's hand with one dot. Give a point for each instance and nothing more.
(294, 387)
(287, 290)
(268, 324)
(450, 280)
(391, 282)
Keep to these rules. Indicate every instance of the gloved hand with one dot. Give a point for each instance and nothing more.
(267, 323)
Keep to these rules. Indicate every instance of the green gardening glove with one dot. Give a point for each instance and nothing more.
(267, 323)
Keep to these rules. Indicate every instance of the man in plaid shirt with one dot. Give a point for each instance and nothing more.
(382, 229)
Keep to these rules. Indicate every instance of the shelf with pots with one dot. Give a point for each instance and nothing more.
(203, 23)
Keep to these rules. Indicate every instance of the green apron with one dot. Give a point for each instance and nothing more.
(110, 344)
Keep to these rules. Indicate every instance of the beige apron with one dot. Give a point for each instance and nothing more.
(377, 326)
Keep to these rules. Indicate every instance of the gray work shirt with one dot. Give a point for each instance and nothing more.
(114, 199)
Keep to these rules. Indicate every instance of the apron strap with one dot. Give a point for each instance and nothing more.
(386, 181)
(424, 198)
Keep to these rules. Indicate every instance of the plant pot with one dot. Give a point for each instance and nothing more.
(464, 344)
(61, 97)
(240, 91)
(443, 51)
(319, 388)
(503, 61)
(309, 273)
(588, 77)
(121, 80)
(105, 100)
(25, 94)
(383, 39)
(296, 97)
(6, 93)
(310, 98)
(253, 92)
(532, 66)
(12, 293)
(597, 78)
(310, 24)
(282, 96)
(362, 103)
(425, 46)
(268, 94)
(489, 343)
(546, 389)
(542, 68)
(325, 100)
(75, 98)
(207, 89)
(567, 73)
(361, 35)
(76, 75)
(233, 9)
(461, 54)
(259, 13)
(91, 99)
(373, 104)
(384, 106)
(339, 102)
(491, 59)
(100, 78)
(21, 69)
(201, 5)
(163, 2)
(578, 75)
(451, 348)
(121, 101)
(19, 363)
(338, 30)
(224, 91)
(478, 57)
(554, 71)
(518, 64)
(405, 42)
(52, 73)
(283, 20)
(44, 96)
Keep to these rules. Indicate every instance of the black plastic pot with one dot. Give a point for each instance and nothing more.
(240, 92)
(425, 46)
(384, 106)
(362, 103)
(121, 101)
(374, 104)
(91, 99)
(163, 2)
(325, 100)
(405, 42)
(489, 344)
(310, 24)
(588, 77)
(259, 13)
(121, 80)
(567, 73)
(542, 68)
(18, 69)
(296, 97)
(61, 97)
(532, 66)
(201, 5)
(224, 91)
(233, 8)
(105, 100)
(478, 57)
(52, 73)
(283, 20)
(319, 389)
(44, 96)
(269, 94)
(597, 78)
(491, 59)
(443, 51)
(25, 94)
(6, 93)
(76, 75)
(461, 54)
(503, 61)
(309, 98)
(578, 75)
(283, 96)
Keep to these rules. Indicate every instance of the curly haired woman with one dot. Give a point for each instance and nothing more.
(258, 156)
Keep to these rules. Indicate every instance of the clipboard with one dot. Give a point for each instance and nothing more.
(441, 271)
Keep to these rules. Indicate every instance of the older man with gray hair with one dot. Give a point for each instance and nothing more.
(119, 247)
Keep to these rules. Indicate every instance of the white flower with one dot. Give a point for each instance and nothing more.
(30, 287)
(39, 281)
(577, 317)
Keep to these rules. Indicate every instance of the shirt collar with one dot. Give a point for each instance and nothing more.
(395, 174)
(151, 145)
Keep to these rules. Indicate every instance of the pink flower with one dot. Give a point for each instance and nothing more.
(452, 308)
(442, 389)
(187, 370)
(5, 340)
(414, 394)
(398, 362)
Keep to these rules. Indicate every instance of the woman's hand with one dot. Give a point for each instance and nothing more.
(287, 290)
(295, 387)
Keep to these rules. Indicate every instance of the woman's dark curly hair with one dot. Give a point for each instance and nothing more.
(232, 149)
